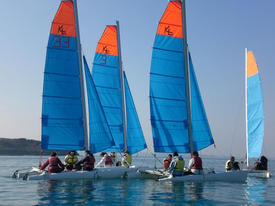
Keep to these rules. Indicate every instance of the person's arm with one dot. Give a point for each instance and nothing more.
(172, 166)
(100, 162)
(191, 163)
(60, 163)
(45, 165)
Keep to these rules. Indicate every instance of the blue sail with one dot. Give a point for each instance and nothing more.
(106, 77)
(255, 108)
(135, 137)
(168, 101)
(100, 134)
(62, 124)
(202, 136)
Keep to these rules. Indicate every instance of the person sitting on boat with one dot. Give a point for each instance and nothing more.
(113, 156)
(71, 160)
(55, 165)
(232, 164)
(126, 159)
(167, 161)
(105, 159)
(88, 162)
(177, 165)
(195, 164)
(262, 164)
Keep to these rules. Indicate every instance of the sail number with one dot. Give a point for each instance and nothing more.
(61, 42)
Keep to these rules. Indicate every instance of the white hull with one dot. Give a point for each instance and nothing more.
(259, 173)
(98, 173)
(153, 174)
(234, 176)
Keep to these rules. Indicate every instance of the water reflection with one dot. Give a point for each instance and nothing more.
(54, 192)
(255, 190)
(190, 193)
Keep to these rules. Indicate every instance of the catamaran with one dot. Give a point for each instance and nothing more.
(254, 114)
(178, 119)
(115, 95)
(64, 121)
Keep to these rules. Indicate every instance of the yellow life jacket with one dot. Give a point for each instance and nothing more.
(128, 161)
(227, 165)
(72, 159)
(180, 165)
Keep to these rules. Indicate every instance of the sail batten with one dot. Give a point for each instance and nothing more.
(62, 116)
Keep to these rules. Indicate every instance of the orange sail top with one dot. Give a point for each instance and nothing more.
(171, 21)
(108, 42)
(63, 23)
(252, 67)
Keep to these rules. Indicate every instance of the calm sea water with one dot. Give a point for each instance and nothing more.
(255, 191)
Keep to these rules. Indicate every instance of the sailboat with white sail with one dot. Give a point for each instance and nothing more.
(254, 113)
(64, 121)
(178, 119)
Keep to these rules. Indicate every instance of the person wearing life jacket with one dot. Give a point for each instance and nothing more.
(232, 164)
(195, 164)
(177, 165)
(167, 161)
(105, 159)
(55, 165)
(113, 156)
(261, 164)
(71, 160)
(87, 163)
(126, 159)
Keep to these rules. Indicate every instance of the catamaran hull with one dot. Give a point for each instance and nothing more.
(259, 173)
(153, 174)
(234, 176)
(99, 173)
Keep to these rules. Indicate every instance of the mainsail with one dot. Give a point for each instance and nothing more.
(99, 131)
(168, 99)
(107, 77)
(255, 109)
(62, 110)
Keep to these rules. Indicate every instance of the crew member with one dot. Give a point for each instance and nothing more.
(167, 161)
(105, 159)
(195, 164)
(232, 164)
(71, 160)
(177, 165)
(88, 162)
(126, 159)
(55, 165)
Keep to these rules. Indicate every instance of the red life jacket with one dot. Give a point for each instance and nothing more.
(166, 164)
(108, 160)
(91, 163)
(197, 163)
(53, 165)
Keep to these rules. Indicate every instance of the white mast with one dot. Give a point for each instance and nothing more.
(81, 76)
(246, 127)
(124, 123)
(187, 79)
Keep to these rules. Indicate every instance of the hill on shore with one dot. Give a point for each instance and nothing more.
(22, 146)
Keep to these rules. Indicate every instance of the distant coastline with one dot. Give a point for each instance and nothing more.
(22, 146)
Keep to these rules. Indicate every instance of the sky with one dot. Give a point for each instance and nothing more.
(218, 32)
